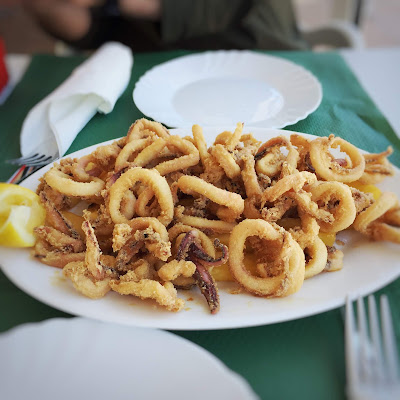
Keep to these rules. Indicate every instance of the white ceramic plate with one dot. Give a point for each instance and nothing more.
(368, 266)
(79, 358)
(223, 87)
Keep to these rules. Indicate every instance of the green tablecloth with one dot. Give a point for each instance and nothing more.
(301, 359)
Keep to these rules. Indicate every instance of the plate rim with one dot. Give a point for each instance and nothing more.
(167, 120)
(169, 323)
(75, 323)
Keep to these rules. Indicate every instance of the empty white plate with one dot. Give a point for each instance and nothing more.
(223, 87)
(79, 358)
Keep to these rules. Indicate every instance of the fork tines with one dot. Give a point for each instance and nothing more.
(35, 159)
(371, 353)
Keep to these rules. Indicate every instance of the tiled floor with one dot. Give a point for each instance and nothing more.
(380, 26)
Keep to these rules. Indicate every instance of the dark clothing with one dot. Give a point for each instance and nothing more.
(202, 25)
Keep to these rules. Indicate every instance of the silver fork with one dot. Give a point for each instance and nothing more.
(31, 163)
(372, 366)
(35, 159)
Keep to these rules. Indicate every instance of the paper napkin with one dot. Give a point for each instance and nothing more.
(94, 86)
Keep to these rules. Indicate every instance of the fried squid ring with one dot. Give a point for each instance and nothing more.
(120, 235)
(140, 224)
(305, 203)
(142, 207)
(252, 208)
(293, 182)
(223, 147)
(388, 227)
(234, 139)
(64, 184)
(106, 155)
(269, 158)
(292, 258)
(300, 141)
(143, 269)
(392, 216)
(190, 154)
(337, 199)
(201, 144)
(206, 224)
(362, 200)
(250, 143)
(193, 185)
(303, 147)
(154, 235)
(143, 128)
(205, 241)
(225, 160)
(189, 159)
(212, 171)
(85, 168)
(386, 202)
(384, 231)
(130, 148)
(335, 259)
(316, 258)
(148, 177)
(223, 138)
(191, 140)
(377, 167)
(128, 205)
(227, 214)
(149, 153)
(249, 176)
(307, 233)
(329, 168)
(150, 233)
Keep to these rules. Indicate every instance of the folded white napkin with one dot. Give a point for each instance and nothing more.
(94, 86)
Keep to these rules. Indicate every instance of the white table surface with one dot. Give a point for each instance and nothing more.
(378, 71)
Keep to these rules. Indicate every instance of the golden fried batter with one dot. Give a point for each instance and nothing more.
(155, 204)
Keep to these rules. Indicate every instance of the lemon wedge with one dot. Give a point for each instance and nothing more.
(20, 212)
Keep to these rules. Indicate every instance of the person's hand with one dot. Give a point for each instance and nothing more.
(63, 19)
(146, 9)
(87, 3)
(37, 4)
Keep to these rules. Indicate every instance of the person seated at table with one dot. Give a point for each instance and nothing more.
(154, 25)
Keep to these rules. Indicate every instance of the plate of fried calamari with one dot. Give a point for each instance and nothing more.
(210, 228)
